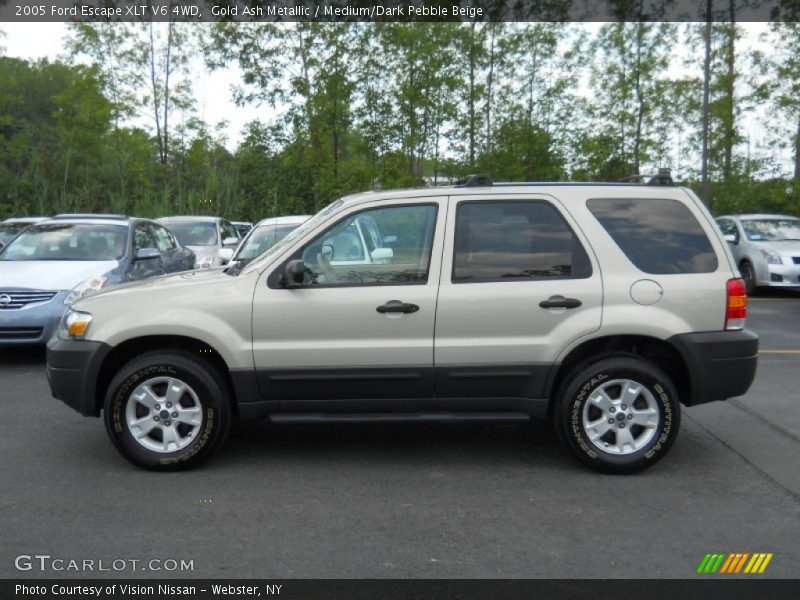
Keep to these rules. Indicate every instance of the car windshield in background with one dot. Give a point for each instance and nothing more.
(194, 233)
(771, 230)
(69, 241)
(262, 239)
(9, 230)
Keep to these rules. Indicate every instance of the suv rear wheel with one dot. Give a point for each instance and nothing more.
(619, 414)
(167, 411)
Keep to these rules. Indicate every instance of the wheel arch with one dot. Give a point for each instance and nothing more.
(131, 348)
(663, 354)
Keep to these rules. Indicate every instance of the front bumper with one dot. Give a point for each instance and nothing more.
(32, 325)
(720, 364)
(786, 275)
(73, 367)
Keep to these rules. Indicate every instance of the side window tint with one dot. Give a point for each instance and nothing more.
(163, 239)
(229, 231)
(142, 237)
(508, 241)
(658, 236)
(727, 227)
(341, 256)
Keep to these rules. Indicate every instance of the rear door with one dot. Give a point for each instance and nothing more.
(518, 284)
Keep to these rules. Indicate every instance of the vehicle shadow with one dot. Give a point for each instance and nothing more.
(22, 355)
(259, 441)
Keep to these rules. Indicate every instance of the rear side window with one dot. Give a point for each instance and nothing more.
(660, 237)
(515, 241)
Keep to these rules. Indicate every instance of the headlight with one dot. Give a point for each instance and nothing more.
(86, 288)
(205, 263)
(772, 257)
(74, 325)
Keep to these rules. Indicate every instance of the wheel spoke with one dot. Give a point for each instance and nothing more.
(601, 400)
(625, 439)
(170, 436)
(190, 416)
(647, 417)
(145, 396)
(597, 429)
(630, 392)
(142, 427)
(175, 391)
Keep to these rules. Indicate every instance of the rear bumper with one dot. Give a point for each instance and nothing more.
(72, 370)
(721, 364)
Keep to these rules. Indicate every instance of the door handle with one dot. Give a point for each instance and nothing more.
(560, 302)
(395, 306)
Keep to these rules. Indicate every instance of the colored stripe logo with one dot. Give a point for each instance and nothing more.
(731, 564)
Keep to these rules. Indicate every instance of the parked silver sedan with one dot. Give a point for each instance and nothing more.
(212, 239)
(766, 248)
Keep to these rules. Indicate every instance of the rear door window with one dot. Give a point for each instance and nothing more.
(658, 236)
(514, 241)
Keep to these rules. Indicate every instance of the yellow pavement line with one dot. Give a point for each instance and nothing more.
(782, 351)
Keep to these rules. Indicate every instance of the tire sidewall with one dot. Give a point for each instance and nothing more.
(587, 380)
(209, 395)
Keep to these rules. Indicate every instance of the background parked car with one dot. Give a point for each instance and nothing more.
(11, 227)
(58, 261)
(243, 227)
(212, 239)
(766, 248)
(266, 234)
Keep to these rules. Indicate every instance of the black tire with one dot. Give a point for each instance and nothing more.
(212, 396)
(588, 377)
(749, 277)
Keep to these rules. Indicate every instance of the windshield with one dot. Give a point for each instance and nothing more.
(194, 233)
(9, 230)
(289, 239)
(771, 230)
(262, 239)
(69, 241)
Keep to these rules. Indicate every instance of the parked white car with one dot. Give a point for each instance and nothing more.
(766, 249)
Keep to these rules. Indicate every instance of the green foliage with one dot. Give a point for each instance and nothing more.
(357, 106)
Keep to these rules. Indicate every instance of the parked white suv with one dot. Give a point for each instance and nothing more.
(603, 307)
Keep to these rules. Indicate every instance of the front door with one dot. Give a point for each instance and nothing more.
(361, 325)
(518, 285)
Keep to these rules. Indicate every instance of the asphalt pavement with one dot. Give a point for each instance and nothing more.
(407, 500)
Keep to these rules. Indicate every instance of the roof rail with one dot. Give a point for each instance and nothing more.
(476, 180)
(88, 216)
(663, 177)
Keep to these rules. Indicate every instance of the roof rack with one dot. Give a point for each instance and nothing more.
(476, 180)
(663, 177)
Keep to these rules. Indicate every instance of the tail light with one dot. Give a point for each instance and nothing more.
(736, 308)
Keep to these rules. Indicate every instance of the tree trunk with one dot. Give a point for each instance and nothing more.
(489, 91)
(797, 152)
(637, 144)
(705, 183)
(730, 79)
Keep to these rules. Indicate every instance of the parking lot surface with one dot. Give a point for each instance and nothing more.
(411, 501)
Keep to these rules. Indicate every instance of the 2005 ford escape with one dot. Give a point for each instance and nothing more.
(603, 307)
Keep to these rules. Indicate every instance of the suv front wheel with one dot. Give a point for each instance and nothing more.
(619, 414)
(167, 411)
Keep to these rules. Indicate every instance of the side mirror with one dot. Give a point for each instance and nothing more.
(382, 254)
(327, 251)
(225, 254)
(294, 273)
(230, 241)
(732, 238)
(147, 253)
